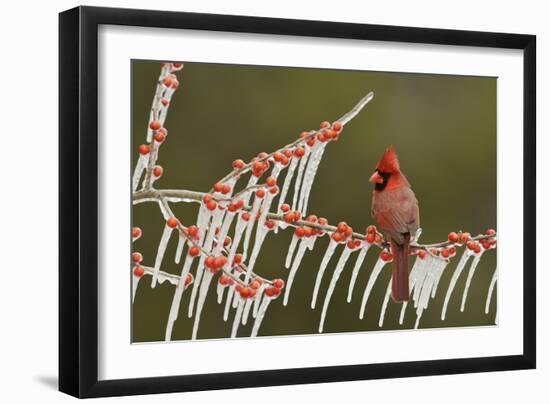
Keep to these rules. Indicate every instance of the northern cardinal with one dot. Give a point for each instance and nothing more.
(395, 210)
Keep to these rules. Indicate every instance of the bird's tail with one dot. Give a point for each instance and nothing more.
(400, 270)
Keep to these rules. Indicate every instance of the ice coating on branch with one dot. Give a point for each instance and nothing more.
(458, 270)
(179, 250)
(217, 217)
(358, 263)
(326, 258)
(176, 300)
(298, 183)
(385, 305)
(337, 271)
(239, 230)
(288, 179)
(250, 225)
(260, 316)
(156, 100)
(138, 171)
(372, 278)
(471, 273)
(309, 177)
(305, 243)
(205, 284)
(291, 248)
(167, 231)
(490, 291)
(223, 232)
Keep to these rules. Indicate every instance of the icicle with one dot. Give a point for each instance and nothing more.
(421, 272)
(336, 274)
(385, 305)
(324, 262)
(458, 270)
(471, 273)
(314, 161)
(288, 179)
(418, 263)
(260, 316)
(305, 242)
(490, 292)
(307, 174)
(135, 282)
(223, 232)
(298, 183)
(237, 319)
(217, 218)
(179, 250)
(246, 311)
(250, 225)
(417, 322)
(228, 301)
(291, 248)
(167, 231)
(138, 171)
(402, 314)
(438, 275)
(176, 300)
(258, 299)
(356, 268)
(200, 301)
(219, 291)
(374, 274)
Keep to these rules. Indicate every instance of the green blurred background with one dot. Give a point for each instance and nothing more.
(443, 127)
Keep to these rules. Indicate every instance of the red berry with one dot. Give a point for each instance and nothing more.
(211, 205)
(193, 231)
(300, 232)
(289, 217)
(297, 215)
(245, 216)
(188, 279)
(336, 237)
(143, 149)
(311, 218)
(278, 157)
(337, 126)
(167, 81)
(136, 232)
(155, 125)
(321, 137)
(175, 83)
(157, 171)
(287, 153)
(270, 181)
(209, 262)
(350, 244)
(285, 207)
(325, 124)
(299, 152)
(177, 65)
(159, 137)
(270, 224)
(470, 245)
(137, 257)
(207, 198)
(237, 259)
(227, 241)
(232, 208)
(453, 237)
(218, 186)
(274, 190)
(308, 231)
(164, 102)
(254, 284)
(194, 251)
(477, 248)
(225, 189)
(258, 166)
(490, 232)
(238, 164)
(220, 261)
(172, 222)
(139, 271)
(260, 193)
(464, 237)
(369, 238)
(452, 250)
(322, 221)
(278, 283)
(385, 256)
(342, 227)
(311, 141)
(445, 253)
(421, 253)
(239, 204)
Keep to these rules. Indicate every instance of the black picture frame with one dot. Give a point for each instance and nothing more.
(78, 196)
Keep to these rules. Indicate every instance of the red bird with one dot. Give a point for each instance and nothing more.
(395, 210)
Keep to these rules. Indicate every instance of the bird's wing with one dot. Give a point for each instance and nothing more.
(397, 214)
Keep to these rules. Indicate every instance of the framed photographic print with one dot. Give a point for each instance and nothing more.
(250, 201)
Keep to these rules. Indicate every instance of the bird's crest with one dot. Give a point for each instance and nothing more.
(388, 162)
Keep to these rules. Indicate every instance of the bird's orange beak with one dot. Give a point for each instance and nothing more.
(376, 178)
